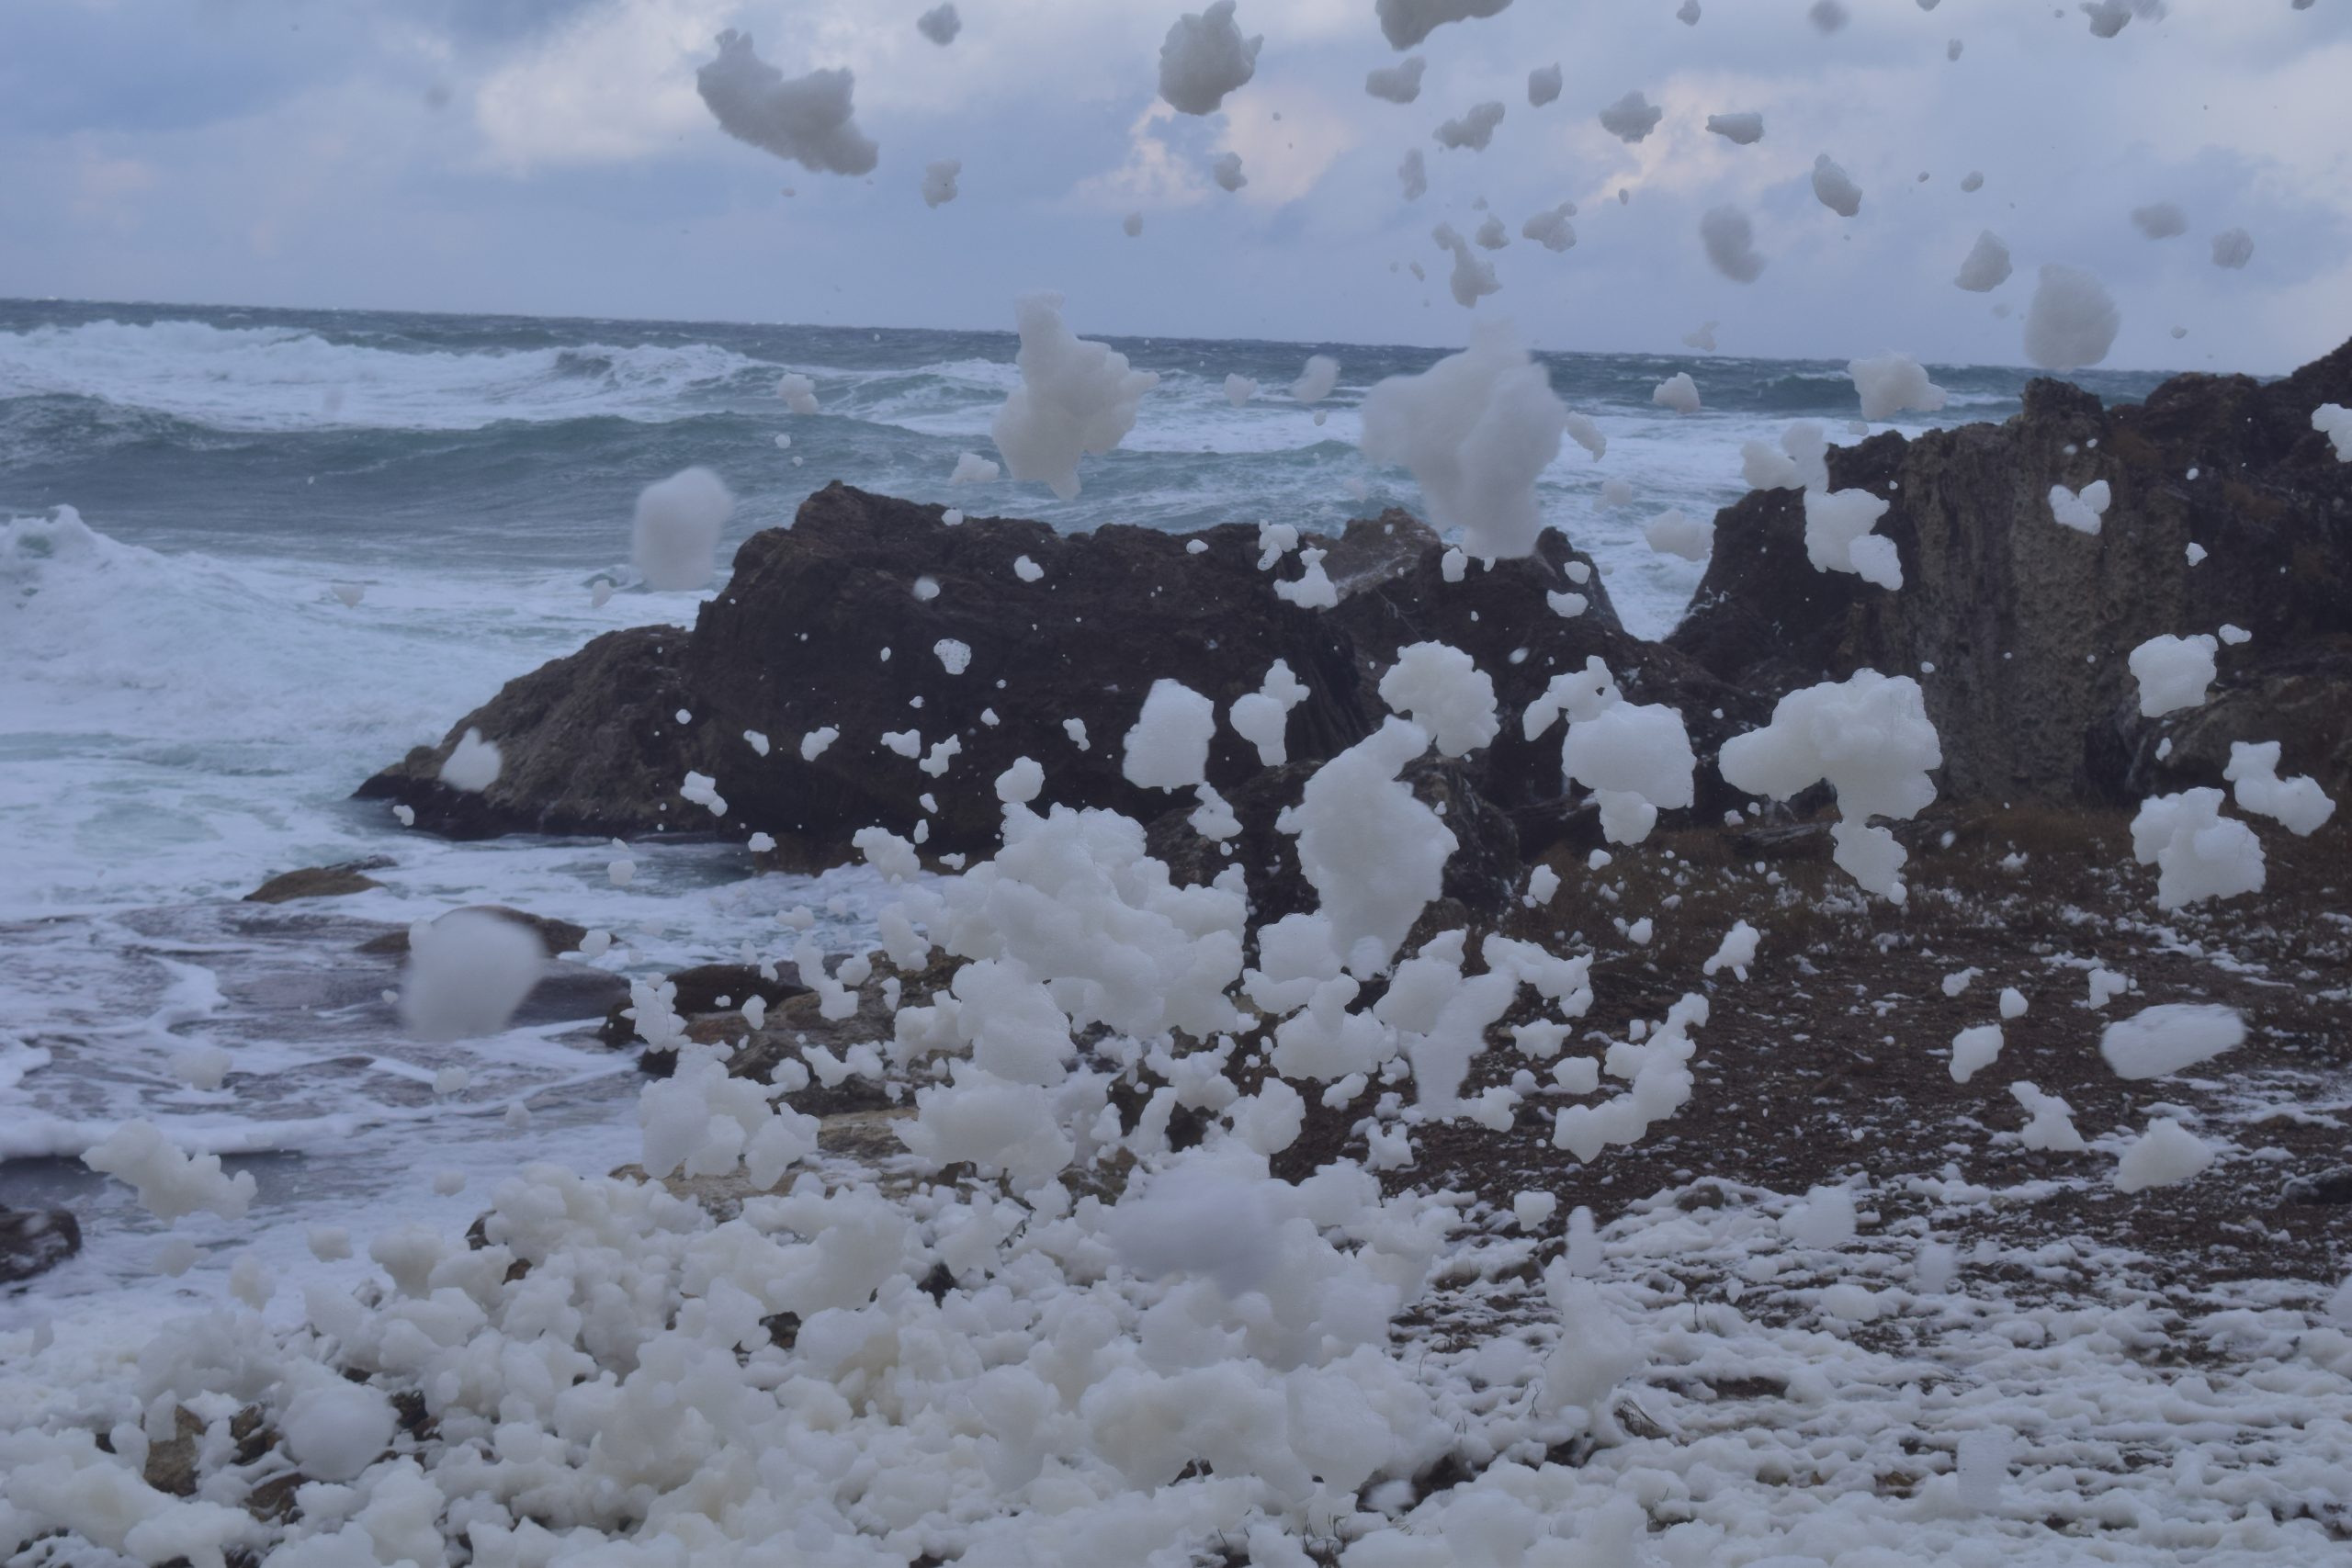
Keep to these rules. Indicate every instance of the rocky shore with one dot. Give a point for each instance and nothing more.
(2227, 510)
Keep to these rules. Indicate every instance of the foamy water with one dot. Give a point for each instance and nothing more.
(186, 705)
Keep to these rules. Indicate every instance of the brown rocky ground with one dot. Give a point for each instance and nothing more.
(1830, 1062)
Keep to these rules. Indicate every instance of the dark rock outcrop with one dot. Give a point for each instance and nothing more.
(34, 1241)
(870, 616)
(2028, 624)
(822, 626)
(589, 743)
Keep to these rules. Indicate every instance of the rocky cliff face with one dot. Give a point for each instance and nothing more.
(2026, 624)
(872, 618)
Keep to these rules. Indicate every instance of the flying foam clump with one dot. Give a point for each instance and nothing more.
(2072, 320)
(2233, 248)
(1802, 462)
(2173, 673)
(1745, 129)
(1240, 389)
(1225, 170)
(2160, 220)
(473, 764)
(1316, 379)
(1474, 129)
(467, 973)
(2165, 1156)
(2160, 1041)
(1203, 58)
(1636, 759)
(1892, 383)
(2107, 17)
(2335, 422)
(1630, 118)
(1838, 537)
(1551, 229)
(1169, 746)
(1542, 86)
(1373, 854)
(798, 392)
(1730, 240)
(1869, 738)
(1836, 187)
(1444, 691)
(2053, 1127)
(806, 120)
(2297, 804)
(673, 539)
(1670, 533)
(939, 180)
(1262, 717)
(1398, 83)
(1678, 392)
(1473, 278)
(1405, 23)
(971, 469)
(2081, 510)
(939, 24)
(1413, 175)
(1076, 397)
(2198, 852)
(1986, 266)
(1476, 429)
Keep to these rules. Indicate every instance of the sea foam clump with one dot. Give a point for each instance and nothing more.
(1203, 58)
(806, 120)
(1868, 738)
(1476, 429)
(1076, 397)
(674, 540)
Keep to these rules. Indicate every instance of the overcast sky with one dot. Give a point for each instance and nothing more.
(553, 157)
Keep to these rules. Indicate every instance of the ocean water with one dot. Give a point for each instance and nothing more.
(185, 704)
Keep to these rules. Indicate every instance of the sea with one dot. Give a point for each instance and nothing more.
(248, 557)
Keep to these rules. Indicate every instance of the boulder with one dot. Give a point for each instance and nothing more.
(319, 881)
(34, 1241)
(2020, 627)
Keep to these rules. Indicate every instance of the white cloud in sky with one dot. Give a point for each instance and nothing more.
(576, 132)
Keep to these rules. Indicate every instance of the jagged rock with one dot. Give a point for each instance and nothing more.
(319, 881)
(2026, 624)
(34, 1241)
